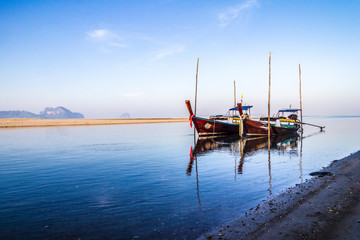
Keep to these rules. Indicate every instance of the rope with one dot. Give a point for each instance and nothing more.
(190, 119)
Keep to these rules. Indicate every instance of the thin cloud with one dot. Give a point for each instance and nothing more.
(106, 38)
(232, 13)
(98, 34)
(102, 34)
(168, 52)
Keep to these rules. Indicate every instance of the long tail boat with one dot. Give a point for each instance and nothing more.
(285, 121)
(218, 124)
(279, 125)
(229, 124)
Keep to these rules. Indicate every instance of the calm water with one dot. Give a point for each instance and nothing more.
(139, 181)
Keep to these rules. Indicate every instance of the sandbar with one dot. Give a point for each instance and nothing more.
(31, 122)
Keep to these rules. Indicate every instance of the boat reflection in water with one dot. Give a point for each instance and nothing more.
(245, 146)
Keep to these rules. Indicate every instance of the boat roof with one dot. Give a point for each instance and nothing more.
(243, 108)
(289, 110)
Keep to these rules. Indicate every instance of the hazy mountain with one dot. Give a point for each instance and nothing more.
(59, 113)
(125, 115)
(48, 113)
(17, 114)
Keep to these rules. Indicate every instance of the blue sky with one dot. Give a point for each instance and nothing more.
(104, 58)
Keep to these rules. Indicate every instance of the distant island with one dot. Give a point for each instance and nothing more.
(48, 113)
(125, 115)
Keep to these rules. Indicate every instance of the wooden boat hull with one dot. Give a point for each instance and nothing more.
(284, 130)
(255, 128)
(208, 127)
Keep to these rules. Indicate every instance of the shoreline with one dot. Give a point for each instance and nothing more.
(32, 122)
(325, 207)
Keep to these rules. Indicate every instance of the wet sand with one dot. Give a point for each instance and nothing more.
(30, 122)
(325, 207)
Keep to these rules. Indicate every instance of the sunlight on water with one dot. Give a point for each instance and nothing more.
(140, 181)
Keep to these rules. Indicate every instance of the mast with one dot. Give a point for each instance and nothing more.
(197, 68)
(269, 95)
(300, 98)
(269, 143)
(234, 94)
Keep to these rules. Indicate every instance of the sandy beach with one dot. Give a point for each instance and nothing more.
(324, 207)
(30, 122)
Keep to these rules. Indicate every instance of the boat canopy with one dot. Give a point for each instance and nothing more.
(243, 108)
(289, 110)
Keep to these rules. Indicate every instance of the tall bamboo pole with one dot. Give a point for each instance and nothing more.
(269, 144)
(197, 69)
(300, 98)
(269, 96)
(234, 94)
